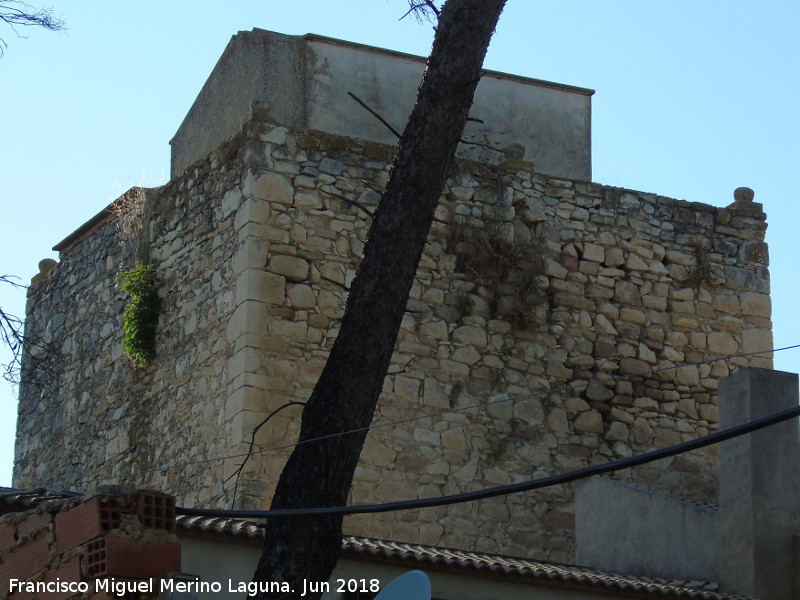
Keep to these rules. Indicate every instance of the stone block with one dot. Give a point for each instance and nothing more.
(467, 472)
(632, 366)
(251, 254)
(635, 263)
(753, 303)
(259, 285)
(573, 301)
(557, 420)
(722, 343)
(272, 187)
(231, 201)
(614, 257)
(249, 317)
(617, 432)
(688, 375)
(453, 439)
(407, 389)
(594, 253)
(475, 336)
(468, 355)
(626, 292)
(456, 369)
(590, 422)
(246, 360)
(632, 315)
(301, 296)
(642, 431)
(252, 210)
(758, 340)
(598, 392)
(293, 268)
(293, 331)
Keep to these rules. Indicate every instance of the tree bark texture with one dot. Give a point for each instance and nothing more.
(320, 473)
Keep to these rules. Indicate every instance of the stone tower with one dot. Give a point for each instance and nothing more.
(555, 323)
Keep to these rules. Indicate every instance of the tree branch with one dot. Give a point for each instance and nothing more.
(374, 114)
(247, 456)
(424, 7)
(350, 202)
(15, 12)
(336, 283)
(12, 335)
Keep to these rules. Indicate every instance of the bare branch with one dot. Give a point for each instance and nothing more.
(403, 370)
(374, 114)
(238, 471)
(12, 335)
(481, 145)
(16, 13)
(422, 9)
(350, 202)
(334, 282)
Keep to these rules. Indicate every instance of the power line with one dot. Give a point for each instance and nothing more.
(564, 387)
(503, 490)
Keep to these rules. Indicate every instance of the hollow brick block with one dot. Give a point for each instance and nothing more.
(156, 510)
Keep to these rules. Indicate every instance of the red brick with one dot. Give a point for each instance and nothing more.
(32, 522)
(113, 556)
(7, 537)
(30, 557)
(85, 522)
(69, 571)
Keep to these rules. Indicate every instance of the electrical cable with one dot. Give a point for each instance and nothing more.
(564, 387)
(523, 486)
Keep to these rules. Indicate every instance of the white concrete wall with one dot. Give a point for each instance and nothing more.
(304, 82)
(622, 528)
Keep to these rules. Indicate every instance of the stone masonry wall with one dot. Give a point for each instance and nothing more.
(554, 324)
(102, 419)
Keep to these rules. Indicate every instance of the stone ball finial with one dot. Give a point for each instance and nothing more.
(743, 194)
(46, 265)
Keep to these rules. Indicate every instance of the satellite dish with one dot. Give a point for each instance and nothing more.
(413, 585)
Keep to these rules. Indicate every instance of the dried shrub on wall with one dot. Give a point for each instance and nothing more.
(511, 269)
(132, 212)
(700, 274)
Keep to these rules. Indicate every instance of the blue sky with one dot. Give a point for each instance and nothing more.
(693, 99)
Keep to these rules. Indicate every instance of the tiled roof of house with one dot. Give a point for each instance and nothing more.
(520, 570)
(12, 500)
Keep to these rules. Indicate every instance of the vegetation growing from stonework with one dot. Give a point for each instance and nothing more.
(141, 314)
(511, 269)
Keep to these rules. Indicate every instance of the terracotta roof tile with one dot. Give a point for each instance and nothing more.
(524, 570)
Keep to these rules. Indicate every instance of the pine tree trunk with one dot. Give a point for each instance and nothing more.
(320, 473)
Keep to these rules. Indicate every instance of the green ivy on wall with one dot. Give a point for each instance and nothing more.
(141, 314)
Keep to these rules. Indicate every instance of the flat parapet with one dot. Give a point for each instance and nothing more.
(306, 82)
(627, 529)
